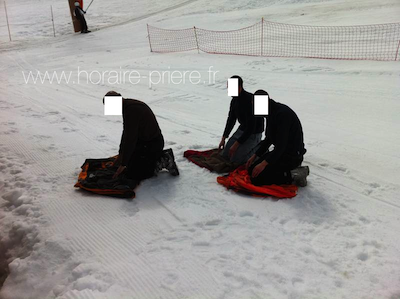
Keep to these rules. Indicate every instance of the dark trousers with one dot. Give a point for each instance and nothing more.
(83, 23)
(277, 173)
(143, 160)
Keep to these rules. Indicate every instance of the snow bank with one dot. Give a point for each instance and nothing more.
(19, 215)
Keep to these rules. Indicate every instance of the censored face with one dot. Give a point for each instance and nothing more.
(233, 87)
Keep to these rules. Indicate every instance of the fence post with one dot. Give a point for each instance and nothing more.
(148, 35)
(8, 25)
(262, 35)
(197, 42)
(52, 20)
(397, 52)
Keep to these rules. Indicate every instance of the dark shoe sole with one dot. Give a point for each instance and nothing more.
(300, 176)
(173, 168)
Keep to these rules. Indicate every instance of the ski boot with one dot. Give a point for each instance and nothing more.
(299, 175)
(167, 161)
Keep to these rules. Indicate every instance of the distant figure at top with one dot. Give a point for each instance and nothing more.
(80, 15)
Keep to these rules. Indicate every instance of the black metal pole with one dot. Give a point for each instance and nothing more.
(88, 5)
(8, 24)
(52, 19)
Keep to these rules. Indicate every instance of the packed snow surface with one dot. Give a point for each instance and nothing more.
(187, 236)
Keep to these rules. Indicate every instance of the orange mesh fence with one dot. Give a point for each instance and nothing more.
(269, 39)
(246, 41)
(164, 40)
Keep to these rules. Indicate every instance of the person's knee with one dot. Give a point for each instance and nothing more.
(257, 181)
(225, 153)
(239, 159)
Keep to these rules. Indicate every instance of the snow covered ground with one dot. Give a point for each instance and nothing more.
(33, 20)
(188, 237)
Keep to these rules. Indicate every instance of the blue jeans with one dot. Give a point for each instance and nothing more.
(245, 150)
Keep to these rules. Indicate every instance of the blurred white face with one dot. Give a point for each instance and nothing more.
(261, 105)
(233, 87)
(76, 3)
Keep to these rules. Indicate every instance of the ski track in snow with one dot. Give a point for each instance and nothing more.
(218, 243)
(188, 237)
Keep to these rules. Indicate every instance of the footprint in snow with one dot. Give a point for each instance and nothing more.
(184, 132)
(364, 220)
(201, 243)
(101, 138)
(199, 146)
(42, 137)
(213, 222)
(15, 171)
(170, 280)
(246, 214)
(374, 185)
(341, 169)
(69, 130)
(363, 256)
(129, 208)
(36, 115)
(12, 197)
(53, 113)
(10, 131)
(373, 243)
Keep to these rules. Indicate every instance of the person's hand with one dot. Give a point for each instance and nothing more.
(84, 12)
(259, 168)
(233, 149)
(250, 161)
(119, 171)
(221, 145)
(117, 162)
(114, 163)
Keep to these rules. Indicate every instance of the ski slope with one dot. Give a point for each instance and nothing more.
(188, 237)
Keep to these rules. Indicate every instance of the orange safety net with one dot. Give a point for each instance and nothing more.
(270, 39)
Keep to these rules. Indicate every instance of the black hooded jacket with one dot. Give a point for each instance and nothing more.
(140, 126)
(285, 132)
(79, 13)
(241, 109)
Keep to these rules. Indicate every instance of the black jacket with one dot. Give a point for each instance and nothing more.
(284, 131)
(79, 13)
(241, 109)
(140, 125)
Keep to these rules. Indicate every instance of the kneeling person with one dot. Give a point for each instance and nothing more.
(242, 144)
(282, 164)
(141, 153)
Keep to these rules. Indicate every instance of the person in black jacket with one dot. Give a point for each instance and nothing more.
(285, 132)
(80, 15)
(141, 152)
(241, 145)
